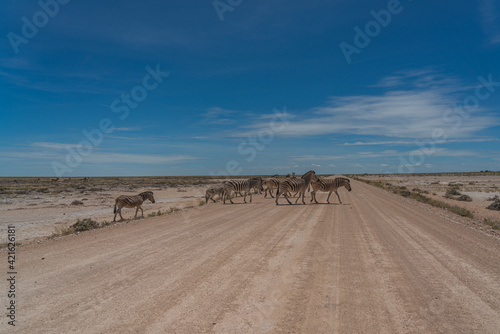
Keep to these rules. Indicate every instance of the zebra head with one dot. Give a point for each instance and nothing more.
(310, 176)
(347, 184)
(147, 195)
(256, 182)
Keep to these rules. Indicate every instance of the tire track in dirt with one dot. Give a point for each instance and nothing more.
(377, 263)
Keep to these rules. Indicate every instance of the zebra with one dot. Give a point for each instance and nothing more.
(330, 186)
(131, 202)
(212, 191)
(257, 186)
(271, 184)
(293, 177)
(274, 181)
(300, 186)
(240, 186)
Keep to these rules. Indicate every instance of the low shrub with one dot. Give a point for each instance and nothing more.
(451, 192)
(85, 225)
(494, 206)
(464, 198)
(493, 224)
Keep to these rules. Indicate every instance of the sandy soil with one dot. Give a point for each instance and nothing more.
(41, 215)
(379, 263)
(478, 187)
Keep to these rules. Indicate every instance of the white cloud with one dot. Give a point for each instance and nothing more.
(437, 152)
(412, 112)
(128, 129)
(51, 145)
(489, 20)
(101, 158)
(416, 142)
(57, 152)
(216, 115)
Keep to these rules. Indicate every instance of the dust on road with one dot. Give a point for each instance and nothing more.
(375, 264)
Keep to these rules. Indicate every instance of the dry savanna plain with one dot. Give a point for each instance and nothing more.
(400, 254)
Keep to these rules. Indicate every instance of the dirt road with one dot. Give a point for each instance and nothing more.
(376, 264)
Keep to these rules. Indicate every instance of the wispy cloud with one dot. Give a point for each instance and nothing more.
(216, 115)
(415, 142)
(101, 158)
(128, 129)
(414, 111)
(51, 145)
(488, 12)
(438, 152)
(55, 153)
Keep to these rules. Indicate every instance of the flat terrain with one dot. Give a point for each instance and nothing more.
(40, 208)
(478, 187)
(379, 263)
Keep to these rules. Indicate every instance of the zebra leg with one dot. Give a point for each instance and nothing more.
(250, 197)
(286, 197)
(277, 196)
(313, 196)
(120, 211)
(338, 196)
(136, 210)
(114, 218)
(328, 198)
(142, 211)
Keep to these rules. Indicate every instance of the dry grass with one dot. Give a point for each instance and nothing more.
(403, 191)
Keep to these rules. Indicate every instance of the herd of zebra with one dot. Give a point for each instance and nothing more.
(283, 186)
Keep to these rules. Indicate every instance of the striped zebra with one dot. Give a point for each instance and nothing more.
(300, 186)
(329, 185)
(241, 186)
(274, 181)
(271, 184)
(213, 191)
(131, 202)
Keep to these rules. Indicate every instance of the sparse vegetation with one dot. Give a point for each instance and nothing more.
(156, 214)
(77, 202)
(418, 196)
(494, 206)
(453, 193)
(85, 225)
(493, 224)
(464, 198)
(173, 209)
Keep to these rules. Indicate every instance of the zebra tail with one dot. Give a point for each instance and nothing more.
(114, 211)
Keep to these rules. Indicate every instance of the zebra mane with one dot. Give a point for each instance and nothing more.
(343, 179)
(145, 194)
(307, 174)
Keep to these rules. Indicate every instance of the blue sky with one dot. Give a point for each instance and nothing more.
(241, 87)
